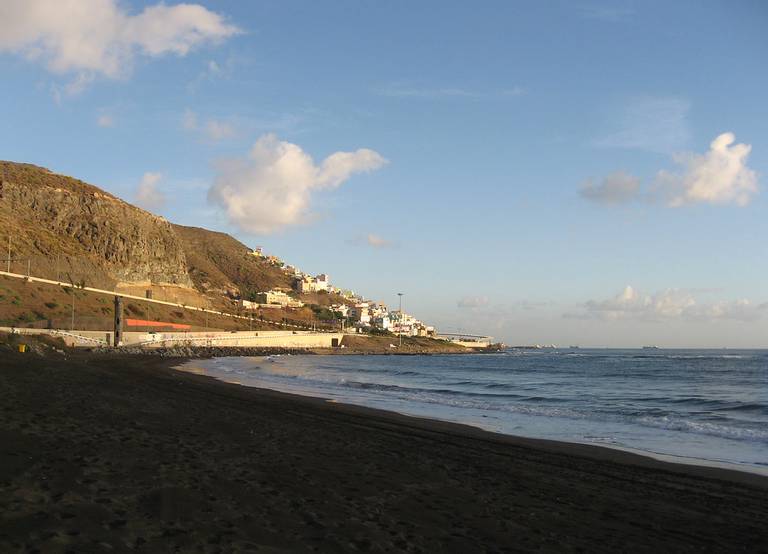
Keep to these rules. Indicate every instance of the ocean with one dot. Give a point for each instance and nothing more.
(706, 406)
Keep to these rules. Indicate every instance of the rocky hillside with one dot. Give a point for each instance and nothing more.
(218, 262)
(65, 226)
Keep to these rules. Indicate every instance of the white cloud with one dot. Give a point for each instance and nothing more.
(90, 38)
(630, 303)
(218, 130)
(377, 241)
(617, 188)
(211, 129)
(473, 302)
(720, 176)
(105, 120)
(742, 310)
(273, 186)
(147, 194)
(372, 240)
(665, 305)
(657, 124)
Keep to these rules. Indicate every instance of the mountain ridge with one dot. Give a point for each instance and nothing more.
(64, 226)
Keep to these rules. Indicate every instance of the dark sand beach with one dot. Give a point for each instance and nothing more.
(115, 454)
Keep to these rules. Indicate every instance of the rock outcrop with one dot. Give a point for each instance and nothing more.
(50, 216)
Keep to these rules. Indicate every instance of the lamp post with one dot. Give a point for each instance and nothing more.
(400, 310)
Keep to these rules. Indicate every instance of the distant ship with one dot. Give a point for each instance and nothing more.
(650, 347)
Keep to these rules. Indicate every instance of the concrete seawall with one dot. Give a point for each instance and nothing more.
(265, 339)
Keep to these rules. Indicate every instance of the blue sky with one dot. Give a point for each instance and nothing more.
(503, 157)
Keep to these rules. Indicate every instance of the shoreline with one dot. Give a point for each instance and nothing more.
(125, 453)
(619, 454)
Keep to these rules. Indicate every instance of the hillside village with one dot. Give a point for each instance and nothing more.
(349, 309)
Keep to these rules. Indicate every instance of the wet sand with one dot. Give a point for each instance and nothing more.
(119, 454)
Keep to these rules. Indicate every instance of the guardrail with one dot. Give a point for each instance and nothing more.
(31, 331)
(81, 338)
(222, 337)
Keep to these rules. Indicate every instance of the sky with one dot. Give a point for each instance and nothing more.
(571, 173)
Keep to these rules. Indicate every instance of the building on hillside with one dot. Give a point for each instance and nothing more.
(322, 281)
(253, 306)
(360, 313)
(422, 330)
(342, 309)
(404, 324)
(248, 305)
(278, 297)
(306, 283)
(257, 252)
(379, 309)
(382, 322)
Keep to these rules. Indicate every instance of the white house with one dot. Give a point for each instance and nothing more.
(313, 284)
(382, 322)
(322, 281)
(360, 313)
(405, 324)
(343, 309)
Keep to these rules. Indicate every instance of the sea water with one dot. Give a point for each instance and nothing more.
(695, 405)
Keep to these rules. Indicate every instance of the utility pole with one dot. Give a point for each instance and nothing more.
(118, 320)
(72, 324)
(400, 309)
(9, 254)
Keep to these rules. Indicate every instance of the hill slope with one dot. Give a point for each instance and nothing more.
(60, 225)
(64, 229)
(221, 263)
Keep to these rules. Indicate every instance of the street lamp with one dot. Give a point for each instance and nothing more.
(400, 323)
